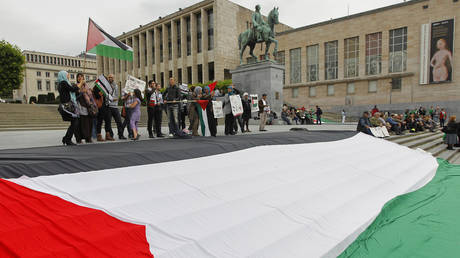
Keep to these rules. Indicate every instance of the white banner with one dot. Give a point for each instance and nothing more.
(237, 105)
(254, 103)
(133, 83)
(217, 108)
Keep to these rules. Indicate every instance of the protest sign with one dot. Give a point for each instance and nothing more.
(254, 103)
(236, 104)
(217, 108)
(133, 83)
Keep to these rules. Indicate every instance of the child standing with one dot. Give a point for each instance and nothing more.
(136, 113)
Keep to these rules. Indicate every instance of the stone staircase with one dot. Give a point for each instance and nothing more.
(19, 117)
(431, 142)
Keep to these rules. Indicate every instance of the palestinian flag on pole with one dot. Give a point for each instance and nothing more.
(201, 108)
(101, 43)
(169, 198)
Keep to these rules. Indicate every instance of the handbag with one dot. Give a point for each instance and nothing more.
(67, 111)
(123, 112)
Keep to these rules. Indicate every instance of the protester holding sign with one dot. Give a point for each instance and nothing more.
(229, 117)
(113, 108)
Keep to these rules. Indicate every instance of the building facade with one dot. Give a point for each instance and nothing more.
(41, 71)
(377, 57)
(196, 44)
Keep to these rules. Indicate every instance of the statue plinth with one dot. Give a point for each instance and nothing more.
(259, 78)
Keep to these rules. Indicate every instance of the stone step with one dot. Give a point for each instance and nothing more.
(455, 159)
(430, 145)
(436, 151)
(447, 154)
(422, 141)
(405, 136)
(405, 139)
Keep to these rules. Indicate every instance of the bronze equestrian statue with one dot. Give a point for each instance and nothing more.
(260, 32)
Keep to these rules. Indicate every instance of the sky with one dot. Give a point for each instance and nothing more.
(60, 26)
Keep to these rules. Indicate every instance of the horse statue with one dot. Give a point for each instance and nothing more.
(266, 35)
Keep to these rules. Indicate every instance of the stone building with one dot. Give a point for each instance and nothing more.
(41, 71)
(375, 57)
(378, 57)
(195, 44)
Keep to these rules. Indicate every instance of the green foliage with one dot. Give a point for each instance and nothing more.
(11, 68)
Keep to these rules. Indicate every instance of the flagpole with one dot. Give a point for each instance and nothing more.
(86, 48)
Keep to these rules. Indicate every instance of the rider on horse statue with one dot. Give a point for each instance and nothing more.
(258, 23)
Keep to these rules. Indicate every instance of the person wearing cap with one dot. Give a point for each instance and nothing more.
(229, 118)
(263, 107)
(246, 111)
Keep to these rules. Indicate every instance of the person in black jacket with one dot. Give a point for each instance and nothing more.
(319, 112)
(246, 111)
(151, 88)
(172, 97)
(68, 97)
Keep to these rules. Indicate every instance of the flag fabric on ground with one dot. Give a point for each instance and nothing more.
(101, 43)
(204, 205)
(201, 108)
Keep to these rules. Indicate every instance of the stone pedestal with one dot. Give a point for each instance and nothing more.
(259, 78)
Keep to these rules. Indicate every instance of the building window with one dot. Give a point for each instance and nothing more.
(47, 59)
(72, 76)
(200, 73)
(54, 60)
(179, 75)
(73, 62)
(39, 85)
(162, 79)
(351, 57)
(48, 85)
(79, 64)
(227, 74)
(330, 90)
(169, 42)
(331, 62)
(281, 59)
(39, 59)
(313, 63)
(189, 39)
(295, 65)
(211, 71)
(372, 87)
(39, 73)
(47, 74)
(189, 74)
(398, 50)
(396, 84)
(56, 86)
(27, 57)
(55, 75)
(154, 76)
(295, 93)
(312, 91)
(144, 38)
(160, 31)
(170, 74)
(374, 53)
(351, 88)
(178, 31)
(210, 29)
(198, 33)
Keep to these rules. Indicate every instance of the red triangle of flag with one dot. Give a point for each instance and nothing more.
(212, 86)
(95, 36)
(203, 103)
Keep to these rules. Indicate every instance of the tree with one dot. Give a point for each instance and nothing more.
(11, 68)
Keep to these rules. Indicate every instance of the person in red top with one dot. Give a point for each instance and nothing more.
(375, 110)
(442, 117)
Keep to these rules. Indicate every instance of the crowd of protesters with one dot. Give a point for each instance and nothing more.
(412, 121)
(292, 115)
(88, 109)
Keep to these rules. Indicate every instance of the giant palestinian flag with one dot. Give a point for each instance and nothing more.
(101, 43)
(296, 194)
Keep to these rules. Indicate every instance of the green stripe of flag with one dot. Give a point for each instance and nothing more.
(112, 52)
(424, 223)
(200, 115)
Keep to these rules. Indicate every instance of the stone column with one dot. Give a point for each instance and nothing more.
(183, 34)
(130, 65)
(106, 65)
(362, 56)
(194, 48)
(174, 48)
(100, 64)
(303, 65)
(204, 41)
(165, 53)
(341, 61)
(157, 54)
(149, 61)
(142, 55)
(135, 71)
(385, 51)
(321, 62)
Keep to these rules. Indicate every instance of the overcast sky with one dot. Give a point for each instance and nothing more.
(59, 26)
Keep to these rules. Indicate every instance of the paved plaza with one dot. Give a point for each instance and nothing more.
(45, 138)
